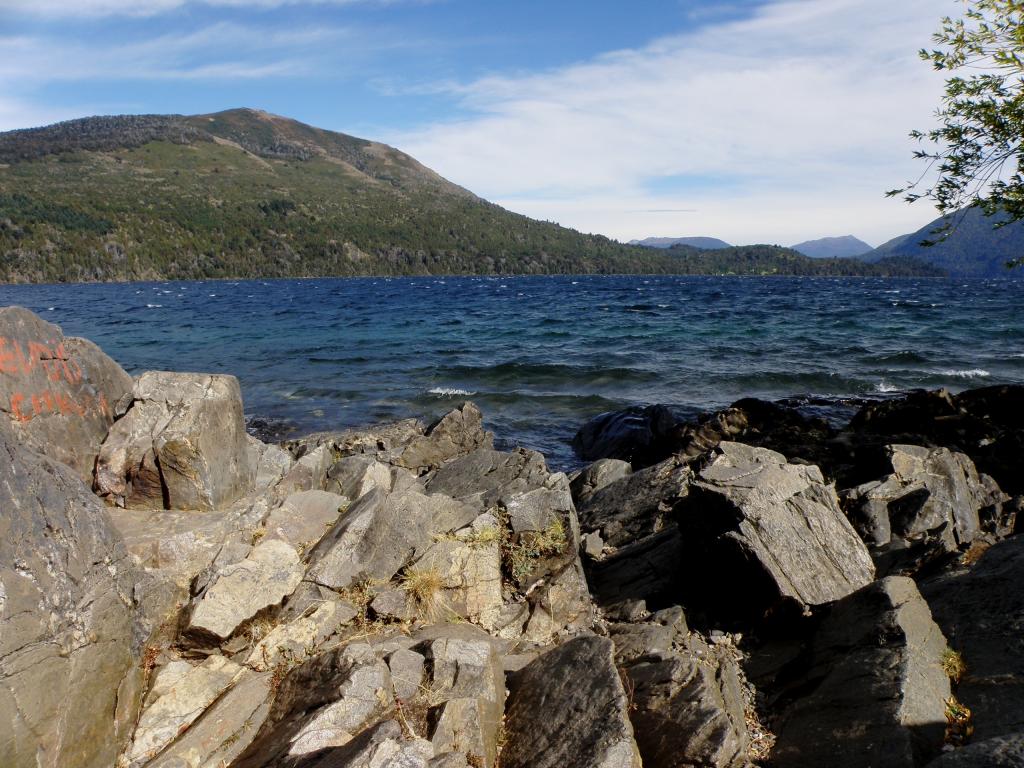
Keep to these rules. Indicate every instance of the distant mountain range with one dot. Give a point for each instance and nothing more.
(833, 247)
(244, 193)
(973, 248)
(707, 243)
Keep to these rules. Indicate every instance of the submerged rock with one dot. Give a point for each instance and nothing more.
(640, 435)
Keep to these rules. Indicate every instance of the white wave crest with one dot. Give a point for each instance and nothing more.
(883, 386)
(450, 392)
(973, 373)
(154, 306)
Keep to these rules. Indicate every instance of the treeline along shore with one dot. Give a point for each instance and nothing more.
(756, 587)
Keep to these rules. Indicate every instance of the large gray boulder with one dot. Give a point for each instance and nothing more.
(874, 685)
(457, 433)
(376, 536)
(569, 709)
(57, 393)
(981, 612)
(181, 445)
(486, 477)
(636, 505)
(239, 591)
(466, 692)
(929, 491)
(770, 533)
(596, 476)
(688, 708)
(70, 675)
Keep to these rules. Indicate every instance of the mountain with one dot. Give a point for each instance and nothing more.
(833, 247)
(707, 243)
(973, 248)
(244, 193)
(775, 260)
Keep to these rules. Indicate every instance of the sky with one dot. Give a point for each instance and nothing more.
(755, 121)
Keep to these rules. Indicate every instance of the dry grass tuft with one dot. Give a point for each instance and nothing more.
(953, 665)
(426, 587)
(974, 552)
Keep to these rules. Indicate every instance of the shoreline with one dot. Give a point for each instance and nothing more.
(501, 276)
(753, 586)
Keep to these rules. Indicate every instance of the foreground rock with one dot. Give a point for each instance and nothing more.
(180, 445)
(687, 699)
(981, 611)
(69, 655)
(1000, 752)
(636, 505)
(648, 435)
(57, 393)
(874, 686)
(239, 591)
(986, 424)
(457, 433)
(568, 709)
(771, 532)
(929, 492)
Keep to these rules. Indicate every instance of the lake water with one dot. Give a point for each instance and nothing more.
(541, 355)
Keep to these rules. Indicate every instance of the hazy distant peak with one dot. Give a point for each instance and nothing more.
(833, 247)
(707, 243)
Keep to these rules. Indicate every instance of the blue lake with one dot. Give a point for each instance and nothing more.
(540, 355)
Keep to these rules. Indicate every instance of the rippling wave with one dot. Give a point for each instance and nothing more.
(542, 355)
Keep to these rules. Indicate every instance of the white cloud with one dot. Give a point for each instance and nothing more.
(804, 109)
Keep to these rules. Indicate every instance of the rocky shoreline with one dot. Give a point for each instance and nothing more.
(756, 588)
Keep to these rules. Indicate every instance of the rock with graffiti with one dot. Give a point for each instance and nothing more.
(58, 392)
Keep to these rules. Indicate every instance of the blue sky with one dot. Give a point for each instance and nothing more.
(749, 120)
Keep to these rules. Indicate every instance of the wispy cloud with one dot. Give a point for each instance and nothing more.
(805, 107)
(142, 8)
(220, 51)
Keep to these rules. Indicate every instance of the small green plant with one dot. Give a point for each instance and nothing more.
(521, 556)
(959, 722)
